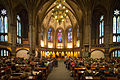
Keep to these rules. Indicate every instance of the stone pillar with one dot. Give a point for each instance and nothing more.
(13, 38)
(31, 32)
(87, 31)
(107, 53)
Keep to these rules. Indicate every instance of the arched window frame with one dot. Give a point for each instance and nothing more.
(78, 33)
(69, 35)
(116, 26)
(116, 53)
(101, 30)
(50, 35)
(60, 38)
(3, 25)
(19, 30)
(4, 53)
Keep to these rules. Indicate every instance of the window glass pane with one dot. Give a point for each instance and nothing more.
(114, 38)
(78, 33)
(113, 54)
(116, 53)
(1, 24)
(6, 28)
(5, 52)
(17, 28)
(20, 41)
(18, 17)
(17, 40)
(42, 31)
(49, 35)
(2, 38)
(114, 24)
(102, 28)
(70, 35)
(1, 52)
(102, 40)
(6, 37)
(118, 27)
(60, 36)
(118, 38)
(101, 18)
(99, 41)
(119, 53)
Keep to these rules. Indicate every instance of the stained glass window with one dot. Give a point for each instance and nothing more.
(78, 33)
(42, 33)
(3, 25)
(116, 26)
(70, 35)
(50, 35)
(101, 30)
(60, 36)
(19, 34)
(116, 53)
(4, 52)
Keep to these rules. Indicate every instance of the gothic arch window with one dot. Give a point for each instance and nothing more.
(70, 35)
(19, 30)
(116, 26)
(50, 36)
(78, 33)
(3, 25)
(60, 36)
(101, 30)
(4, 52)
(42, 33)
(116, 53)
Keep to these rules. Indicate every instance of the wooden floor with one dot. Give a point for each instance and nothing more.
(60, 72)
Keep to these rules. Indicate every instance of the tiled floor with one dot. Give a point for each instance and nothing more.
(60, 72)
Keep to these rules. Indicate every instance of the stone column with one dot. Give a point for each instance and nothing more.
(87, 32)
(13, 38)
(31, 32)
(107, 53)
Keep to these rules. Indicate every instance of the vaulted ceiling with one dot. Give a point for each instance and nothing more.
(41, 7)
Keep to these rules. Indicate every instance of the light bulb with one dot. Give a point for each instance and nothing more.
(61, 16)
(60, 5)
(55, 17)
(62, 19)
(57, 6)
(63, 7)
(66, 10)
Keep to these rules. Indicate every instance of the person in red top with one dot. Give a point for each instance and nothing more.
(50, 55)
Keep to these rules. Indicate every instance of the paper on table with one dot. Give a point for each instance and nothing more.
(89, 77)
(35, 72)
(30, 77)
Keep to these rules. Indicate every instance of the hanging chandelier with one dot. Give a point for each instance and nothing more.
(59, 12)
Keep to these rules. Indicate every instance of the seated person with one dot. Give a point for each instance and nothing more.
(24, 76)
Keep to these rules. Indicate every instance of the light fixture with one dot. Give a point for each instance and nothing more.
(59, 12)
